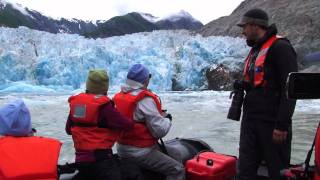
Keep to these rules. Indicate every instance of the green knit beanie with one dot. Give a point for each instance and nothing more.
(97, 81)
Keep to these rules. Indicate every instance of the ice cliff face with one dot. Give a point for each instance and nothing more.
(35, 61)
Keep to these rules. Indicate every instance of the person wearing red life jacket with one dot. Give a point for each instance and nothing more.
(23, 155)
(95, 125)
(139, 145)
(266, 122)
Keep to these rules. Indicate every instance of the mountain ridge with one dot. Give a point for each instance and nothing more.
(15, 15)
(298, 20)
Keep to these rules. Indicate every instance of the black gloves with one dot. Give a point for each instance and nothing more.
(169, 116)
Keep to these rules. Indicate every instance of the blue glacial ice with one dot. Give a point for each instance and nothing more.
(34, 61)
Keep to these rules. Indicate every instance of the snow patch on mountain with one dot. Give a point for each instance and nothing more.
(149, 17)
(177, 16)
(18, 7)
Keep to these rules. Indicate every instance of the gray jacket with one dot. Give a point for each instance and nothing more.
(146, 111)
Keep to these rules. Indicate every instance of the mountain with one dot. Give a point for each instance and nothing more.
(298, 20)
(181, 20)
(141, 22)
(120, 25)
(15, 15)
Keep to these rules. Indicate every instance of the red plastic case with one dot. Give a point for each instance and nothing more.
(211, 166)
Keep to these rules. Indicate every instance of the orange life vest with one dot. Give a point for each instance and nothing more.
(84, 114)
(259, 69)
(24, 158)
(317, 155)
(140, 135)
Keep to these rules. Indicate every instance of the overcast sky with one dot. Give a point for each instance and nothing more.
(203, 10)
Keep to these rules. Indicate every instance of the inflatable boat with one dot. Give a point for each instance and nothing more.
(188, 148)
(201, 163)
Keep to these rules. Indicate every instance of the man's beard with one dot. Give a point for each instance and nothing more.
(250, 42)
(252, 39)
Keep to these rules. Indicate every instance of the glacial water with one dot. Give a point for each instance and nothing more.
(196, 114)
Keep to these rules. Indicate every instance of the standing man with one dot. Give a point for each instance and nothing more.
(139, 145)
(266, 122)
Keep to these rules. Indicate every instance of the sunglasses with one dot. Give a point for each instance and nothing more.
(150, 75)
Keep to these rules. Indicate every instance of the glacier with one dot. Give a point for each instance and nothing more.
(39, 62)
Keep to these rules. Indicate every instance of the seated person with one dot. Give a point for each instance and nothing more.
(24, 156)
(95, 125)
(139, 145)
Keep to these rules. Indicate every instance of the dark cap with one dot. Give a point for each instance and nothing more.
(255, 16)
(97, 81)
(138, 73)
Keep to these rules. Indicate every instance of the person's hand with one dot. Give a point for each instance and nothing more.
(169, 116)
(279, 136)
(166, 115)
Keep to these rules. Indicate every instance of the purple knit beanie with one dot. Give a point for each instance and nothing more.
(138, 73)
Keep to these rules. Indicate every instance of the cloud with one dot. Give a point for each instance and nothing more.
(121, 7)
(203, 10)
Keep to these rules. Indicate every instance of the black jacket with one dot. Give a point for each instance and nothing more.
(270, 103)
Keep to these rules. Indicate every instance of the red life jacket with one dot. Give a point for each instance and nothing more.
(317, 156)
(259, 68)
(140, 135)
(84, 114)
(33, 157)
